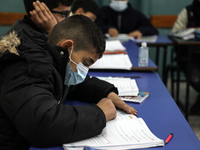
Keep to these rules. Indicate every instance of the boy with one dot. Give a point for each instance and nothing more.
(33, 74)
(85, 7)
(43, 15)
(120, 17)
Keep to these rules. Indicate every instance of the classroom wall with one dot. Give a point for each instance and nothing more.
(148, 7)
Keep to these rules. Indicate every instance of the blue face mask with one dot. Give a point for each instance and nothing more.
(74, 78)
(119, 5)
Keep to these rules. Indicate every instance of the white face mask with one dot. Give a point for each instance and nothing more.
(73, 78)
(119, 5)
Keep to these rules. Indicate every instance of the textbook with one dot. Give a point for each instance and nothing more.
(136, 99)
(114, 47)
(113, 61)
(185, 34)
(126, 131)
(125, 86)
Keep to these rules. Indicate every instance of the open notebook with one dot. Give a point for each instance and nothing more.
(125, 132)
(125, 86)
(113, 61)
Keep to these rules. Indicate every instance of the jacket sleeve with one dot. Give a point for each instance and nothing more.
(145, 26)
(91, 90)
(103, 20)
(181, 22)
(29, 103)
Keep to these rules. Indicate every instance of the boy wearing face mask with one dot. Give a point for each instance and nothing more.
(36, 77)
(120, 17)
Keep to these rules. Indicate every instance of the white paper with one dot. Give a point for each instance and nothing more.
(113, 61)
(125, 86)
(112, 46)
(131, 132)
(123, 37)
(149, 39)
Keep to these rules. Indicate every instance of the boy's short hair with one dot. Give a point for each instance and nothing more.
(82, 31)
(87, 5)
(51, 4)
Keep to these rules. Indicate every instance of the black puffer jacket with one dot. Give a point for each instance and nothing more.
(31, 84)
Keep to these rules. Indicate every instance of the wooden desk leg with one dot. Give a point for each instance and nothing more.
(164, 75)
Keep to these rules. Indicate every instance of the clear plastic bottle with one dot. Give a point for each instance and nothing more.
(143, 55)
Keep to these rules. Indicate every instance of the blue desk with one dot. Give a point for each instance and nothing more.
(159, 111)
(133, 51)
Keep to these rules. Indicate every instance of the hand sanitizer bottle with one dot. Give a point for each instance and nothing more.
(143, 55)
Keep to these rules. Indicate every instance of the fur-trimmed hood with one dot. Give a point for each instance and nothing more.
(9, 42)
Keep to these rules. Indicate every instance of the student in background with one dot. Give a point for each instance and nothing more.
(120, 17)
(43, 15)
(35, 78)
(85, 7)
(190, 18)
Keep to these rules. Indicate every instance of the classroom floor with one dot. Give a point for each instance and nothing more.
(194, 121)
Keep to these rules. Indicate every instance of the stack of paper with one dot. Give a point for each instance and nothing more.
(124, 37)
(116, 61)
(185, 34)
(121, 37)
(124, 132)
(115, 45)
(149, 39)
(125, 86)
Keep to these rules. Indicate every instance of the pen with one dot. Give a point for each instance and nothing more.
(169, 138)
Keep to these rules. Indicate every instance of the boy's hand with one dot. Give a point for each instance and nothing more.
(113, 32)
(108, 108)
(137, 34)
(121, 104)
(43, 17)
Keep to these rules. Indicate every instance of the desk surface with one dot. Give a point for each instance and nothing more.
(162, 40)
(133, 51)
(185, 42)
(159, 111)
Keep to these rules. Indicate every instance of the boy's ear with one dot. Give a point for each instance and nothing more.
(79, 11)
(68, 44)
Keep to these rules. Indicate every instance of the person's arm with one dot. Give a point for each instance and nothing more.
(91, 90)
(113, 32)
(181, 22)
(121, 104)
(103, 21)
(136, 34)
(144, 26)
(94, 89)
(29, 103)
(42, 17)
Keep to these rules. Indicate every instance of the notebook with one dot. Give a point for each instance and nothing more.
(113, 61)
(125, 86)
(125, 132)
